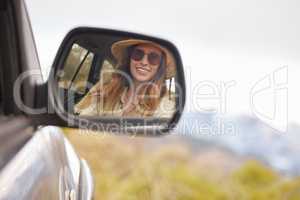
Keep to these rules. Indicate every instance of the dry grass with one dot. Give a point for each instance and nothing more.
(162, 169)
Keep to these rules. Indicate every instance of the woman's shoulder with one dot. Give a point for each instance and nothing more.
(166, 107)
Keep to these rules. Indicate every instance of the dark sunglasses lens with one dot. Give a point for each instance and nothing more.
(137, 54)
(154, 58)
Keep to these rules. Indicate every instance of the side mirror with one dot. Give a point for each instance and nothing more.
(117, 81)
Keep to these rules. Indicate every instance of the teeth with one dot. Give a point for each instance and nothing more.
(142, 70)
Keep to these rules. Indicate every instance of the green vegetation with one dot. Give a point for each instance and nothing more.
(132, 168)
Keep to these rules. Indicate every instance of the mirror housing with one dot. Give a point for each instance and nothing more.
(100, 42)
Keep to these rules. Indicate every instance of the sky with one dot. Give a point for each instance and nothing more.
(240, 57)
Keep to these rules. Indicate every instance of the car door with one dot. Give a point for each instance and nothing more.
(36, 162)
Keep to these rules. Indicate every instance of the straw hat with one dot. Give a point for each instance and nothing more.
(119, 50)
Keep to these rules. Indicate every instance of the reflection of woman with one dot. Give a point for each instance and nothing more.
(137, 87)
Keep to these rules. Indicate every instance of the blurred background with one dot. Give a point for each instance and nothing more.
(239, 135)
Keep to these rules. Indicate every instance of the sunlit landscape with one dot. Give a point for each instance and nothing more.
(168, 168)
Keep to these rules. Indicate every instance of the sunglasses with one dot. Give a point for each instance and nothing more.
(153, 58)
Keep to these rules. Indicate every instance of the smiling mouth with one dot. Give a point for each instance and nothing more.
(143, 70)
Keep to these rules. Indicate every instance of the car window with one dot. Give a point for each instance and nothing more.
(76, 78)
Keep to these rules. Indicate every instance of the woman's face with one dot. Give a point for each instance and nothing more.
(144, 62)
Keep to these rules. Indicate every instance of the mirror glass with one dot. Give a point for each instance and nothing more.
(112, 76)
